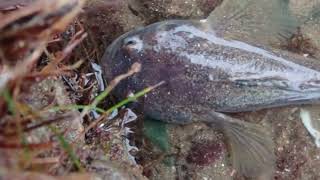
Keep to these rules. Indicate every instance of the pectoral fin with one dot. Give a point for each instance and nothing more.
(251, 145)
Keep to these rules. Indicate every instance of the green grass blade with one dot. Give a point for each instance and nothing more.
(67, 147)
(133, 98)
(9, 100)
(75, 106)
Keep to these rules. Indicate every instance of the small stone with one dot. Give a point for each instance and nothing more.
(204, 154)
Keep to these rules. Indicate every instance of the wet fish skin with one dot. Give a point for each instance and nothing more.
(202, 70)
(206, 76)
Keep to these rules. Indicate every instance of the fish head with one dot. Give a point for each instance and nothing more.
(150, 46)
(156, 47)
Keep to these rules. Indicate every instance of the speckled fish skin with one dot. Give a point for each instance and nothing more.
(203, 71)
(207, 74)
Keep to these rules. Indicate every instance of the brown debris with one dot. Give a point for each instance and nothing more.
(26, 89)
(40, 176)
(12, 5)
(24, 29)
(25, 32)
(40, 50)
(300, 44)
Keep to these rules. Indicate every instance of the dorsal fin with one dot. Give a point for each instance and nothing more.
(258, 21)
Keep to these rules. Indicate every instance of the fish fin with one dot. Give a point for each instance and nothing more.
(311, 124)
(255, 21)
(251, 145)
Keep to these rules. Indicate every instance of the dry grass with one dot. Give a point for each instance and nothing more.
(41, 127)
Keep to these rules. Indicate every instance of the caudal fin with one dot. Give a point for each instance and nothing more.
(251, 145)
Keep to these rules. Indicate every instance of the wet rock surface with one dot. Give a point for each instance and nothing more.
(48, 92)
(157, 10)
(106, 20)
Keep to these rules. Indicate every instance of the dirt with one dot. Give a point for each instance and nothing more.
(52, 91)
(158, 10)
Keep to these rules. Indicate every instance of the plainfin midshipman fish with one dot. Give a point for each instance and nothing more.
(215, 66)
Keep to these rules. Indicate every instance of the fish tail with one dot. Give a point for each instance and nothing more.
(251, 146)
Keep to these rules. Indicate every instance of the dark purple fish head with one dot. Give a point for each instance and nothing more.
(157, 48)
(147, 46)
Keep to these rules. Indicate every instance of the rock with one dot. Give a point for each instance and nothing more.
(52, 92)
(159, 10)
(111, 170)
(105, 20)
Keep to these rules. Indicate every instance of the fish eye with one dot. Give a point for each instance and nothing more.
(130, 42)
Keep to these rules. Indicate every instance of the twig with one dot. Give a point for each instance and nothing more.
(35, 146)
(44, 123)
(136, 67)
(120, 104)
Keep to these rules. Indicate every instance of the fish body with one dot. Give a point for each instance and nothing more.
(204, 71)
(208, 74)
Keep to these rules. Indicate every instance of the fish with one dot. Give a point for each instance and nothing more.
(215, 67)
